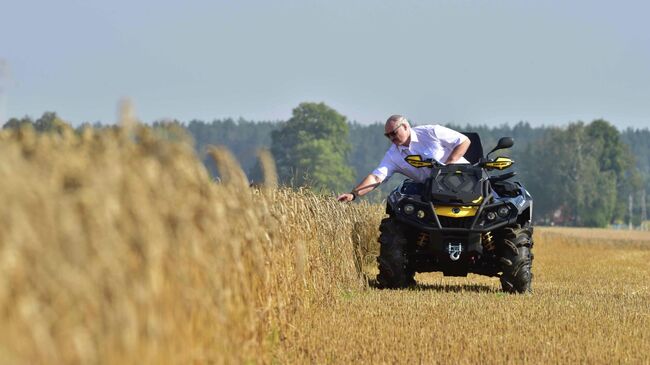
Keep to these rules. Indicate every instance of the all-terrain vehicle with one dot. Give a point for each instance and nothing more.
(460, 220)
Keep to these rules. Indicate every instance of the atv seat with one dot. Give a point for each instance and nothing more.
(475, 151)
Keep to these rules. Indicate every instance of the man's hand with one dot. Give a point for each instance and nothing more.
(347, 197)
(367, 185)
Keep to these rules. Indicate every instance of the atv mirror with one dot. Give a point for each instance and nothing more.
(504, 142)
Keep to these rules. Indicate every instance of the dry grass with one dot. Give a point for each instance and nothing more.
(116, 247)
(599, 235)
(590, 305)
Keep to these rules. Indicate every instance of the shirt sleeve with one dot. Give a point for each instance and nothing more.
(386, 168)
(449, 138)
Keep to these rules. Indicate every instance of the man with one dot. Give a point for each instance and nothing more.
(429, 141)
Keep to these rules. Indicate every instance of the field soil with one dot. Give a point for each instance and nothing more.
(591, 304)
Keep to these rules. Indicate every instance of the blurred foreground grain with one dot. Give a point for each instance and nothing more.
(116, 247)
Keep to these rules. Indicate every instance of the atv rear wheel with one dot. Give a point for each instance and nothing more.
(393, 270)
(517, 259)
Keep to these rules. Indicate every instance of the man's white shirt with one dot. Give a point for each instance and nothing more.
(428, 141)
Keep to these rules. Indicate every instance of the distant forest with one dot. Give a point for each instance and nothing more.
(580, 174)
(583, 170)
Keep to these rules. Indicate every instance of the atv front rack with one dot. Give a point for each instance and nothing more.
(427, 219)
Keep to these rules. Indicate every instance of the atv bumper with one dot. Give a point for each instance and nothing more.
(453, 225)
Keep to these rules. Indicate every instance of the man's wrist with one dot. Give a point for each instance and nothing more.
(354, 194)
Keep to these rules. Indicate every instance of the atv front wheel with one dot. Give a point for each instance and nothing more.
(517, 259)
(393, 271)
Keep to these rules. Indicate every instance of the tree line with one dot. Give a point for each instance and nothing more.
(581, 174)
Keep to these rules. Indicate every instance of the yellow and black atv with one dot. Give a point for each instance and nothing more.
(460, 220)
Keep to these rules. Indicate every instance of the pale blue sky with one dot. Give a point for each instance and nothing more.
(546, 62)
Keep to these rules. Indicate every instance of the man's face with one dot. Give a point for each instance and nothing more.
(397, 132)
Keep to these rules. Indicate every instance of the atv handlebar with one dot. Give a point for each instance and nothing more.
(498, 163)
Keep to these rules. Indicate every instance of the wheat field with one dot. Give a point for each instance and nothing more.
(116, 247)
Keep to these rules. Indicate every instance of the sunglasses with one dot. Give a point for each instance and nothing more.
(393, 133)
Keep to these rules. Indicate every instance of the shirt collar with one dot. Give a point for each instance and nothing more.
(414, 138)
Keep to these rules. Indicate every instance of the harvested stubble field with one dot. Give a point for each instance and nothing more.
(116, 247)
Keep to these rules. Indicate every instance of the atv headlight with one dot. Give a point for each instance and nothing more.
(503, 211)
(421, 214)
(491, 216)
(409, 209)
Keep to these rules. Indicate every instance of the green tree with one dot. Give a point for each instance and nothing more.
(50, 122)
(614, 157)
(638, 140)
(15, 123)
(545, 169)
(312, 147)
(321, 166)
(581, 170)
(243, 138)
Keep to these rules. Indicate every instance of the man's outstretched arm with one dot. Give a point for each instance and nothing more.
(368, 184)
